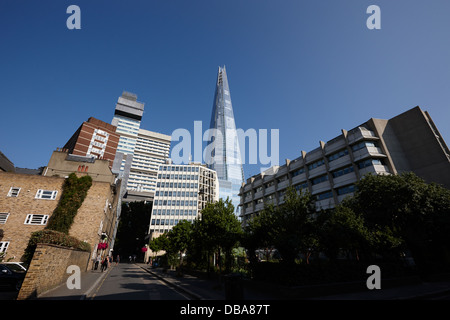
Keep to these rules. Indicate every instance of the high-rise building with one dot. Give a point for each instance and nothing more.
(139, 151)
(407, 142)
(182, 191)
(94, 138)
(226, 156)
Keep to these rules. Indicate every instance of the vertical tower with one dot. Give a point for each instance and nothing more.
(225, 157)
(139, 152)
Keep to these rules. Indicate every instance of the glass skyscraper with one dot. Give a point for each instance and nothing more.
(225, 157)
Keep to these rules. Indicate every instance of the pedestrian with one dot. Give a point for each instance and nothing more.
(117, 260)
(104, 264)
(97, 261)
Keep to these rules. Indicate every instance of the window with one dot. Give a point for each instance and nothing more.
(319, 179)
(3, 246)
(46, 194)
(40, 219)
(13, 192)
(362, 145)
(3, 217)
(368, 163)
(298, 171)
(325, 195)
(346, 189)
(343, 171)
(338, 155)
(316, 164)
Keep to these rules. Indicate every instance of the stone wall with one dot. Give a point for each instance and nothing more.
(48, 269)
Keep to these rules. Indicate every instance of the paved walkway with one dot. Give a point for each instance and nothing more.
(204, 289)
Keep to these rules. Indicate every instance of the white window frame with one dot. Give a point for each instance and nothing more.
(4, 246)
(32, 219)
(3, 217)
(14, 195)
(40, 193)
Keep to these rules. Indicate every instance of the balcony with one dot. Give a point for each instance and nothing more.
(345, 179)
(360, 134)
(375, 169)
(320, 187)
(340, 162)
(367, 152)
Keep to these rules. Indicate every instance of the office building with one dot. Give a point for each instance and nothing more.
(139, 152)
(182, 191)
(407, 142)
(226, 158)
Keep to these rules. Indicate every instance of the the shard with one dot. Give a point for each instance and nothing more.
(225, 157)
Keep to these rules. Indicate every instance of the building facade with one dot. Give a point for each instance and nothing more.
(182, 191)
(407, 142)
(27, 201)
(139, 151)
(226, 154)
(94, 138)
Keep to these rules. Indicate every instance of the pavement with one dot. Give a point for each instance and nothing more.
(213, 289)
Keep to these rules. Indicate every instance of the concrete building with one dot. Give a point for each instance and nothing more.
(407, 142)
(27, 201)
(94, 138)
(139, 152)
(182, 191)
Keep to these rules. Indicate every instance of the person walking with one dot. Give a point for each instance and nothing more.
(97, 262)
(104, 264)
(117, 260)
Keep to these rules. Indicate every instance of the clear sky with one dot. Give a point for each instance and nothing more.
(307, 68)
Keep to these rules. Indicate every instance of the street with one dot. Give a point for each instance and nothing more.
(130, 282)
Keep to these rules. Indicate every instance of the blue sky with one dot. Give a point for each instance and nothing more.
(307, 68)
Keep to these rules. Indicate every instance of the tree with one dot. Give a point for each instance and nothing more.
(342, 230)
(179, 238)
(221, 230)
(403, 212)
(288, 227)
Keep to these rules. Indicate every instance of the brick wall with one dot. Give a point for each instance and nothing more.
(14, 230)
(48, 269)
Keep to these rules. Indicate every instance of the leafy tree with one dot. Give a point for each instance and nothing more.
(179, 238)
(220, 230)
(342, 229)
(404, 212)
(288, 227)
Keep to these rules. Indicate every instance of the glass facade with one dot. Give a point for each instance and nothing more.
(225, 157)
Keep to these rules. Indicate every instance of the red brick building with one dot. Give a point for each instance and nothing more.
(94, 138)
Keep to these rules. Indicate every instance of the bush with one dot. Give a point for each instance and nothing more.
(53, 237)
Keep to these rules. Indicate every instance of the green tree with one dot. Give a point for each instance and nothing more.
(220, 230)
(288, 227)
(179, 239)
(404, 212)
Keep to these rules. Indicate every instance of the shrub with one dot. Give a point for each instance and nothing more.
(53, 237)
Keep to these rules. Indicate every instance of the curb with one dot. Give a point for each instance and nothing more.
(189, 293)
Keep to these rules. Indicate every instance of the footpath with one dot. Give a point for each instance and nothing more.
(213, 289)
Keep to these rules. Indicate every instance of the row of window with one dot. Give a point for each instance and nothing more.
(177, 212)
(175, 194)
(175, 202)
(35, 219)
(179, 168)
(176, 185)
(167, 222)
(178, 177)
(40, 194)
